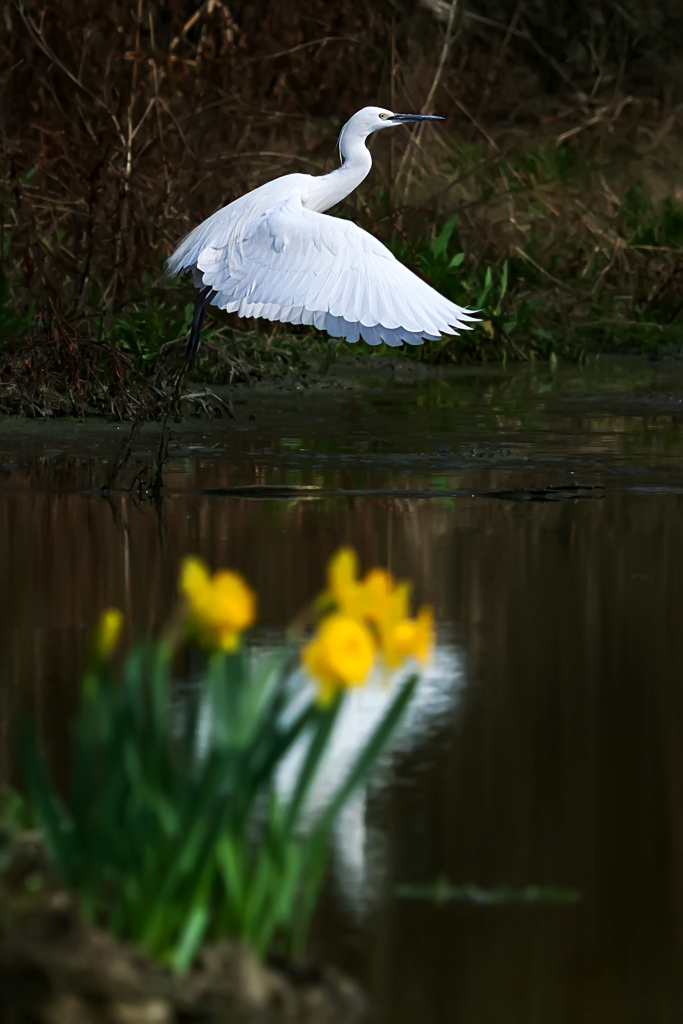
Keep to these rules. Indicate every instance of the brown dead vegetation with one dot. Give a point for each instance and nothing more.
(137, 119)
(123, 125)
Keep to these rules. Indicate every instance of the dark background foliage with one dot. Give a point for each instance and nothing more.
(634, 40)
(124, 124)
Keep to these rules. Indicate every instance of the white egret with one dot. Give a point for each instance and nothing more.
(272, 253)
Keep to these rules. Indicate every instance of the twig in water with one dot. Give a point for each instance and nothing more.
(123, 456)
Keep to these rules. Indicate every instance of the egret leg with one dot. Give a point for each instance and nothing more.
(200, 305)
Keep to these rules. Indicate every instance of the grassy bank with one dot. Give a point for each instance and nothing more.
(565, 252)
(561, 250)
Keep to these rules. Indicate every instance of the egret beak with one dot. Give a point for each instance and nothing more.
(402, 118)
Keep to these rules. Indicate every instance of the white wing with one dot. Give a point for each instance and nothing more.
(302, 267)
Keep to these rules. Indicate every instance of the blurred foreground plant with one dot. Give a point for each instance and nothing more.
(174, 830)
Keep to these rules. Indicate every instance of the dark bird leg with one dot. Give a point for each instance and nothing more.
(202, 301)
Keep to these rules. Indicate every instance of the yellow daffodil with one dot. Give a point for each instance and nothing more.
(234, 609)
(371, 619)
(340, 655)
(195, 581)
(107, 633)
(408, 638)
(345, 589)
(381, 604)
(375, 598)
(385, 601)
(425, 635)
(221, 606)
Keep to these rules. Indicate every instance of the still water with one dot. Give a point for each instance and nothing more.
(542, 515)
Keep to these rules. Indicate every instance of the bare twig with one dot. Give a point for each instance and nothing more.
(461, 106)
(541, 270)
(408, 158)
(38, 37)
(302, 46)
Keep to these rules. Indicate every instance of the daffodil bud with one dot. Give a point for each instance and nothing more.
(107, 633)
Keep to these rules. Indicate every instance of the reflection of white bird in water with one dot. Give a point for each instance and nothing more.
(359, 836)
(272, 253)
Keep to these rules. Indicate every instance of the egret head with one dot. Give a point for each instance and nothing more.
(371, 119)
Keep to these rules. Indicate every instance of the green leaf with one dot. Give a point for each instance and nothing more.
(441, 241)
(369, 754)
(503, 282)
(311, 762)
(47, 806)
(190, 939)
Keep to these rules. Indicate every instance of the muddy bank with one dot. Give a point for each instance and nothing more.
(54, 969)
(211, 415)
(136, 397)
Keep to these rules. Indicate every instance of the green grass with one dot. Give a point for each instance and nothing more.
(559, 294)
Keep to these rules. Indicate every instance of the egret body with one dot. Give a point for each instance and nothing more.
(273, 253)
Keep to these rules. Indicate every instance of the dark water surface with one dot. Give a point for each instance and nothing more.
(542, 515)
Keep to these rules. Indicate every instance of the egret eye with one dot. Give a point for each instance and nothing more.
(384, 116)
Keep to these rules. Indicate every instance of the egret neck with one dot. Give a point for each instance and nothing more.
(328, 189)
